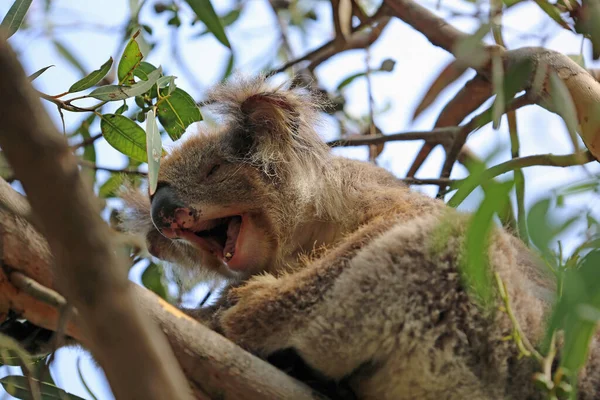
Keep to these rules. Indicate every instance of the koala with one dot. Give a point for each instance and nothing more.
(338, 263)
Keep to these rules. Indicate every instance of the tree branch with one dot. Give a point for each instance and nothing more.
(216, 367)
(134, 355)
(439, 135)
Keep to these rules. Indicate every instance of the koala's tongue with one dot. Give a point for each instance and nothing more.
(233, 231)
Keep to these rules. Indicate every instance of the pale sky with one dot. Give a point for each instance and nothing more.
(253, 37)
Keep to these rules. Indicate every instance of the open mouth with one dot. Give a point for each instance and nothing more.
(217, 236)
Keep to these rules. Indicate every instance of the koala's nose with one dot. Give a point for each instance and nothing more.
(165, 204)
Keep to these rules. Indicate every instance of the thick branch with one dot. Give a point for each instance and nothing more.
(214, 365)
(134, 355)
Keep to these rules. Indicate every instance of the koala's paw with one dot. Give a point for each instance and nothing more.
(255, 313)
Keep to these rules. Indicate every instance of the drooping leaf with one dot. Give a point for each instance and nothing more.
(120, 92)
(110, 187)
(130, 60)
(588, 23)
(553, 12)
(577, 312)
(228, 67)
(386, 66)
(124, 135)
(6, 171)
(449, 74)
(69, 56)
(154, 150)
(18, 386)
(176, 112)
(226, 20)
(82, 380)
(89, 152)
(122, 109)
(153, 279)
(37, 73)
(92, 78)
(475, 269)
(469, 51)
(206, 13)
(562, 103)
(15, 16)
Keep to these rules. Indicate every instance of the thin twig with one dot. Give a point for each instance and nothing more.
(439, 135)
(35, 289)
(475, 123)
(552, 160)
(129, 171)
(329, 47)
(87, 142)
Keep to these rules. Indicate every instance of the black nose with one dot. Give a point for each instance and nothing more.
(164, 204)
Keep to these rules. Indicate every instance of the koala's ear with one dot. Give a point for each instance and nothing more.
(270, 113)
(270, 125)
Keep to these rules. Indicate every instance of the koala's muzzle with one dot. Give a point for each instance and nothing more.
(165, 206)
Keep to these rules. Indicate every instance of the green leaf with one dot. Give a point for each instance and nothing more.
(176, 112)
(226, 19)
(578, 58)
(111, 186)
(18, 386)
(228, 68)
(577, 312)
(562, 103)
(143, 70)
(124, 135)
(68, 55)
(92, 79)
(6, 171)
(122, 109)
(154, 150)
(349, 80)
(167, 82)
(37, 73)
(130, 60)
(120, 92)
(553, 12)
(89, 152)
(206, 13)
(153, 279)
(15, 16)
(83, 382)
(475, 269)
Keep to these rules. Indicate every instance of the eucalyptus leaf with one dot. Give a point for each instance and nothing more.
(120, 92)
(124, 135)
(92, 78)
(154, 150)
(176, 112)
(130, 60)
(153, 279)
(69, 56)
(206, 13)
(18, 386)
(15, 16)
(111, 186)
(37, 73)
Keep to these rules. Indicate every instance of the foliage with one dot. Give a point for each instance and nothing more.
(152, 108)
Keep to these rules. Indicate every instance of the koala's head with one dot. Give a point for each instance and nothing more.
(231, 199)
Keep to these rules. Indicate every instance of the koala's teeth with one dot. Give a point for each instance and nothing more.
(228, 256)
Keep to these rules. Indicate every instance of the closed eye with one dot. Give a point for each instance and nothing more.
(213, 169)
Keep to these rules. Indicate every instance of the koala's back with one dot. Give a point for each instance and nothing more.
(401, 314)
(390, 312)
